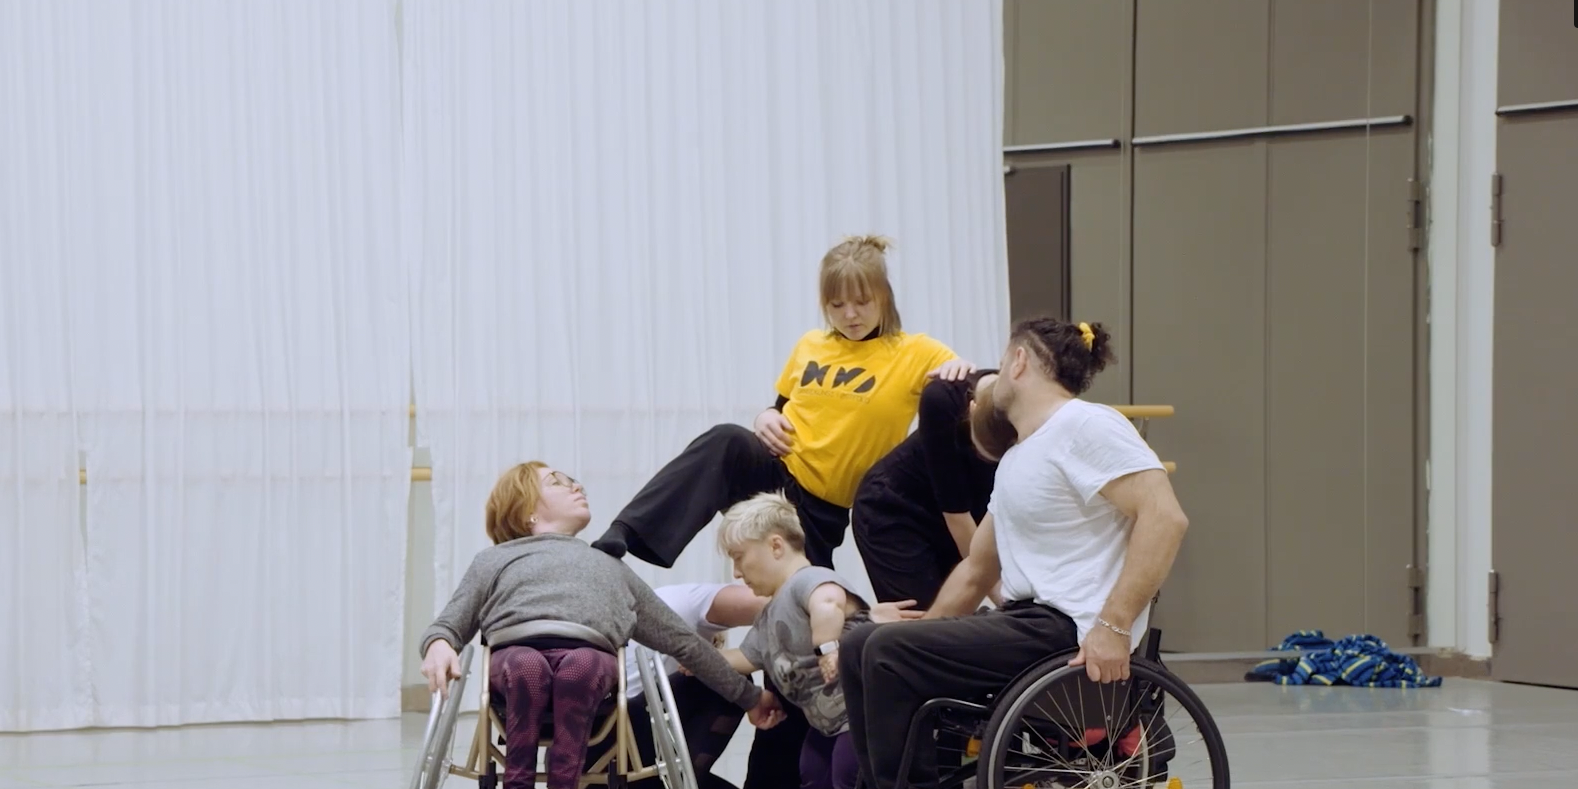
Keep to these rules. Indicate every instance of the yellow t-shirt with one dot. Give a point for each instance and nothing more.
(851, 403)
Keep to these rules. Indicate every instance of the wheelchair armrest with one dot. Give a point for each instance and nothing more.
(551, 628)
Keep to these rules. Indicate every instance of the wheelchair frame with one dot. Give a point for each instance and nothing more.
(615, 768)
(928, 718)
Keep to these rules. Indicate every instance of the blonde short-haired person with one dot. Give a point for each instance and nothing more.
(795, 638)
(1082, 530)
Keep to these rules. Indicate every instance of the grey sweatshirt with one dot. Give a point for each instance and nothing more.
(558, 577)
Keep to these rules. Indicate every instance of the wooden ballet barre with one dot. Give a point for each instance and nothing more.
(1144, 413)
(418, 474)
(425, 474)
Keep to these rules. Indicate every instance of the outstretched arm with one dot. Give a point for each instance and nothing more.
(735, 605)
(458, 622)
(658, 627)
(969, 582)
(738, 661)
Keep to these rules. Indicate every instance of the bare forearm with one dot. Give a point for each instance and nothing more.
(966, 586)
(738, 661)
(1152, 547)
(961, 527)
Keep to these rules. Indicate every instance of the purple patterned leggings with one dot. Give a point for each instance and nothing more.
(527, 682)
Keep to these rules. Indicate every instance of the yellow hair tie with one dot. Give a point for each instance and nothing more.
(1090, 336)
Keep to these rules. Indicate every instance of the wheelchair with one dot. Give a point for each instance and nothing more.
(615, 767)
(1054, 728)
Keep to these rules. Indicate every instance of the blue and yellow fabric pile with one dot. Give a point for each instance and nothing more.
(1359, 660)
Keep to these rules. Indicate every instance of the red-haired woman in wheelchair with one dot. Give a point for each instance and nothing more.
(537, 570)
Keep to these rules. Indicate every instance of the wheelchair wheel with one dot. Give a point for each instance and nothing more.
(433, 766)
(1054, 728)
(671, 752)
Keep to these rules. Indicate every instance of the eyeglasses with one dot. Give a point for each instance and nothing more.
(564, 480)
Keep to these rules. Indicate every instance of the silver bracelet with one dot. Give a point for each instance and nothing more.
(1114, 628)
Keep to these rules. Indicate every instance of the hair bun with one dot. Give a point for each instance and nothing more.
(879, 243)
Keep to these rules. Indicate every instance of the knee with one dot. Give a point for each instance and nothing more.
(517, 665)
(881, 644)
(730, 439)
(590, 667)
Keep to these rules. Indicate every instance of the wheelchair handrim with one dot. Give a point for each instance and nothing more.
(993, 762)
(432, 768)
(671, 751)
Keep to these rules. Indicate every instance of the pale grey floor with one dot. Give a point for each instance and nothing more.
(1463, 735)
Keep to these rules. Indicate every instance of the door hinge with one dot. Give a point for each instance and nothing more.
(1416, 602)
(1495, 209)
(1416, 214)
(1493, 618)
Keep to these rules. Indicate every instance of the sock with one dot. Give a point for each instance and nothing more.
(613, 541)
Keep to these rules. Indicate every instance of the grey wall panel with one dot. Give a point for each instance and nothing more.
(1099, 274)
(1538, 56)
(1535, 533)
(1319, 67)
(1069, 65)
(1036, 199)
(1339, 385)
(1199, 343)
(1200, 65)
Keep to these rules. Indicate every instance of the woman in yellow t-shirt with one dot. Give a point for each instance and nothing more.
(847, 396)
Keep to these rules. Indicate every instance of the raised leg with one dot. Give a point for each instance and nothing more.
(720, 468)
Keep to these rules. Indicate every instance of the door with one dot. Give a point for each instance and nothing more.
(1036, 206)
(1533, 536)
(1274, 307)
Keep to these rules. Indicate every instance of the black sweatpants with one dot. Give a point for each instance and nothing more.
(709, 720)
(720, 468)
(889, 670)
(906, 548)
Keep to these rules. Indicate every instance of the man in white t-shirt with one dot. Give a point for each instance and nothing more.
(1081, 531)
(710, 720)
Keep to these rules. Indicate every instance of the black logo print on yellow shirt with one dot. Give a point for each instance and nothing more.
(818, 373)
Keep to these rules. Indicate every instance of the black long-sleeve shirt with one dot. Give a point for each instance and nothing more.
(936, 468)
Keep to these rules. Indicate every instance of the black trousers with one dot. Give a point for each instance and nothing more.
(774, 762)
(720, 468)
(709, 721)
(907, 550)
(888, 671)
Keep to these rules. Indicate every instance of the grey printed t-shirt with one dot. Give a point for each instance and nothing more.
(780, 642)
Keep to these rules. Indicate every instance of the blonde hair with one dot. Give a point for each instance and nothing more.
(758, 518)
(858, 268)
(514, 499)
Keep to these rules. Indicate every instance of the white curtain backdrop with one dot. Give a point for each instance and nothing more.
(43, 599)
(613, 214)
(218, 181)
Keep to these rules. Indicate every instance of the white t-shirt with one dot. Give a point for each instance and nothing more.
(1059, 541)
(691, 602)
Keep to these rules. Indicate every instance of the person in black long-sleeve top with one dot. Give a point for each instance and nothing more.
(916, 510)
